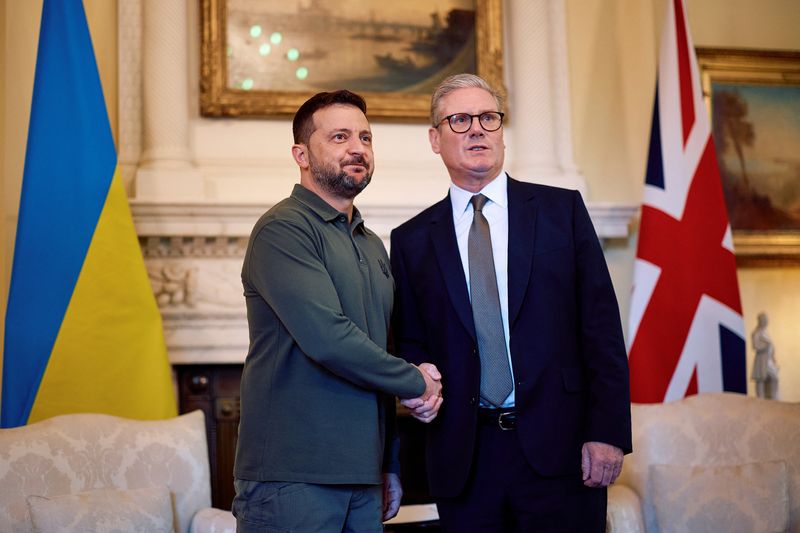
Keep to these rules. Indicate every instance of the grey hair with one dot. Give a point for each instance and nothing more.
(460, 81)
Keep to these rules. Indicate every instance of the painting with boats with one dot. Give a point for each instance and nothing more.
(263, 58)
(367, 46)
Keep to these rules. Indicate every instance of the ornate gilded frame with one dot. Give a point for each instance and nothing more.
(218, 100)
(754, 67)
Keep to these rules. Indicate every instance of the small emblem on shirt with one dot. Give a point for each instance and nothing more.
(384, 268)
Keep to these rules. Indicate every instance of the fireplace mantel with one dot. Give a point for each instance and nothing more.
(194, 253)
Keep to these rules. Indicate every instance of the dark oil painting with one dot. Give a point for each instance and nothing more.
(370, 46)
(756, 130)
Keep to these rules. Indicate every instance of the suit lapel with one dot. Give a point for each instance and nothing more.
(443, 238)
(522, 209)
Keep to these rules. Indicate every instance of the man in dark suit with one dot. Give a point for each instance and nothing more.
(537, 412)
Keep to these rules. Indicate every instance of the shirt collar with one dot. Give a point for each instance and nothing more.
(496, 191)
(320, 207)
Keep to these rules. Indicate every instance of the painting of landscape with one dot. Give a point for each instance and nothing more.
(756, 130)
(365, 46)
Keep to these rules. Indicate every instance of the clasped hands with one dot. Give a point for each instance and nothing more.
(426, 407)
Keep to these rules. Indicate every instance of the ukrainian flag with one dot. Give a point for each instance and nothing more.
(83, 331)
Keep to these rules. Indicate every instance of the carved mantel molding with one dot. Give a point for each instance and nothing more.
(219, 229)
(194, 252)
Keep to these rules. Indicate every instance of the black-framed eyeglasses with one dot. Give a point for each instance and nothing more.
(462, 122)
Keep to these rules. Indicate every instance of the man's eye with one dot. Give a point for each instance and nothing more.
(340, 136)
(459, 119)
(366, 138)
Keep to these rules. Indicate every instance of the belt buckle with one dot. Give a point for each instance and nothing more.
(501, 423)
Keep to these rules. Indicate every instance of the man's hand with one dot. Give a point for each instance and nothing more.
(392, 493)
(426, 407)
(601, 464)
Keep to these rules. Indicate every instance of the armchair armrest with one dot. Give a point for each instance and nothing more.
(624, 511)
(213, 520)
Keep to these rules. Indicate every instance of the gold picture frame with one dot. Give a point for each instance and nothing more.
(753, 97)
(220, 98)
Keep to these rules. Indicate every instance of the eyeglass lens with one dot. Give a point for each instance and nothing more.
(462, 122)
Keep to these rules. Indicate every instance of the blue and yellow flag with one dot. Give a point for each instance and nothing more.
(83, 331)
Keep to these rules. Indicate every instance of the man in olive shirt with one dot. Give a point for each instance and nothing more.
(316, 449)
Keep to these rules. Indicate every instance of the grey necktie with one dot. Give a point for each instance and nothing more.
(496, 382)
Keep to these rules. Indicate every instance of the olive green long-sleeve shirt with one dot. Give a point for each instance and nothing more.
(317, 384)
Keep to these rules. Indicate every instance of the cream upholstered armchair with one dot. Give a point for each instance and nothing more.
(93, 472)
(712, 462)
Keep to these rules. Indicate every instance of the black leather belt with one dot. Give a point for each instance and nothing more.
(505, 419)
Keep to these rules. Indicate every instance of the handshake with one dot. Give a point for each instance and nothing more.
(426, 407)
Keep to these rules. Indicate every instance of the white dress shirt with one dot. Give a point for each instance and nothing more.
(496, 212)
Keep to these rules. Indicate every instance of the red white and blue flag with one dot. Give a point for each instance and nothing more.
(686, 331)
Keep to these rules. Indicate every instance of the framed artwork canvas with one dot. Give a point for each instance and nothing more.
(266, 57)
(754, 101)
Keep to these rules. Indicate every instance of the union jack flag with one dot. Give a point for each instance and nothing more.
(686, 331)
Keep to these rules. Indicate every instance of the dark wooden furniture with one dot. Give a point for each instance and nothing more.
(215, 390)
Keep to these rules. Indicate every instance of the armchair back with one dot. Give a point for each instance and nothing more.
(75, 453)
(712, 430)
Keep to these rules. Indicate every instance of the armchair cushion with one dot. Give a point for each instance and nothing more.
(148, 510)
(751, 498)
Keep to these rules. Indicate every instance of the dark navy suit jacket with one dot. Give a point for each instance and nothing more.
(567, 348)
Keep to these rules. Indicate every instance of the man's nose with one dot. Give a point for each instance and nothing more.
(356, 146)
(475, 128)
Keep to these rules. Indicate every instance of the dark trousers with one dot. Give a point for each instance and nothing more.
(504, 494)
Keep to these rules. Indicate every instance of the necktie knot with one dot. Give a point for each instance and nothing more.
(478, 201)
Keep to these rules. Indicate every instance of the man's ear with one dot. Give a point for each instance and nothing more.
(433, 137)
(300, 155)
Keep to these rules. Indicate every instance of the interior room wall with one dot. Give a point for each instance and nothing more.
(771, 24)
(613, 54)
(613, 49)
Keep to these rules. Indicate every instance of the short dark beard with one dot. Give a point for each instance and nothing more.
(340, 184)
